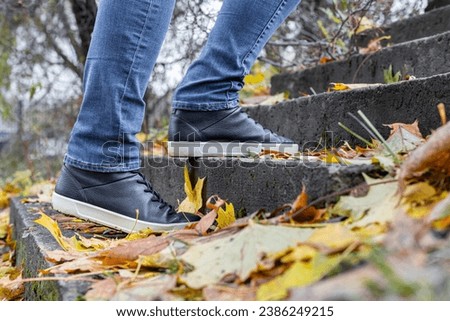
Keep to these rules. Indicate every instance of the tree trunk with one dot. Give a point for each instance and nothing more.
(85, 12)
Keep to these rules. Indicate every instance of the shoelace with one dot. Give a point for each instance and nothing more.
(149, 189)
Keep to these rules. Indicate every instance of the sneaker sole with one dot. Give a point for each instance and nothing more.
(220, 149)
(105, 217)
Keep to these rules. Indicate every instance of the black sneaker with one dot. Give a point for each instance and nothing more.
(229, 132)
(124, 201)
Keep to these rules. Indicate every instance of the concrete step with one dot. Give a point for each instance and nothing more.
(253, 184)
(425, 25)
(32, 242)
(310, 120)
(420, 58)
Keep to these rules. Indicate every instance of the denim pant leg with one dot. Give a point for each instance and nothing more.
(126, 41)
(242, 29)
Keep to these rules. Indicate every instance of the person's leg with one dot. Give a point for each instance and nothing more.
(210, 90)
(125, 43)
(99, 180)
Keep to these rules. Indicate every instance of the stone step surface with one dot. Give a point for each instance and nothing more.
(310, 120)
(32, 242)
(253, 184)
(424, 25)
(420, 58)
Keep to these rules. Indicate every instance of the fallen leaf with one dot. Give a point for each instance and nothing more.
(363, 24)
(404, 137)
(373, 46)
(130, 251)
(325, 60)
(53, 228)
(153, 289)
(301, 213)
(335, 237)
(378, 206)
(4, 222)
(232, 292)
(11, 289)
(4, 199)
(103, 290)
(226, 217)
(341, 86)
(411, 128)
(43, 190)
(432, 155)
(253, 79)
(237, 254)
(298, 275)
(419, 199)
(193, 201)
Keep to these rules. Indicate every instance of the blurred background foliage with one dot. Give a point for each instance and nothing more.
(43, 47)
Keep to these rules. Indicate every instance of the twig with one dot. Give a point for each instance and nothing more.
(279, 219)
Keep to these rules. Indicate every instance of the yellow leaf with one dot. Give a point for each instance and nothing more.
(4, 222)
(334, 236)
(225, 217)
(365, 24)
(338, 86)
(193, 202)
(297, 275)
(300, 253)
(53, 228)
(4, 199)
(253, 79)
(419, 199)
(141, 137)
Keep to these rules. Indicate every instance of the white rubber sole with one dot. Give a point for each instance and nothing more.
(105, 217)
(219, 149)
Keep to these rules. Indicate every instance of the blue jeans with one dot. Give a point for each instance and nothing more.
(125, 44)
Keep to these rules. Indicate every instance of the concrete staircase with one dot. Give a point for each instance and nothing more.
(420, 48)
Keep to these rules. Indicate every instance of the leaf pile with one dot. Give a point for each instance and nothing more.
(370, 238)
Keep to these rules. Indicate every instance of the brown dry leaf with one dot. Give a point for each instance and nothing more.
(130, 251)
(325, 60)
(432, 155)
(103, 290)
(300, 213)
(59, 256)
(11, 289)
(217, 292)
(79, 265)
(153, 289)
(411, 128)
(373, 46)
(404, 137)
